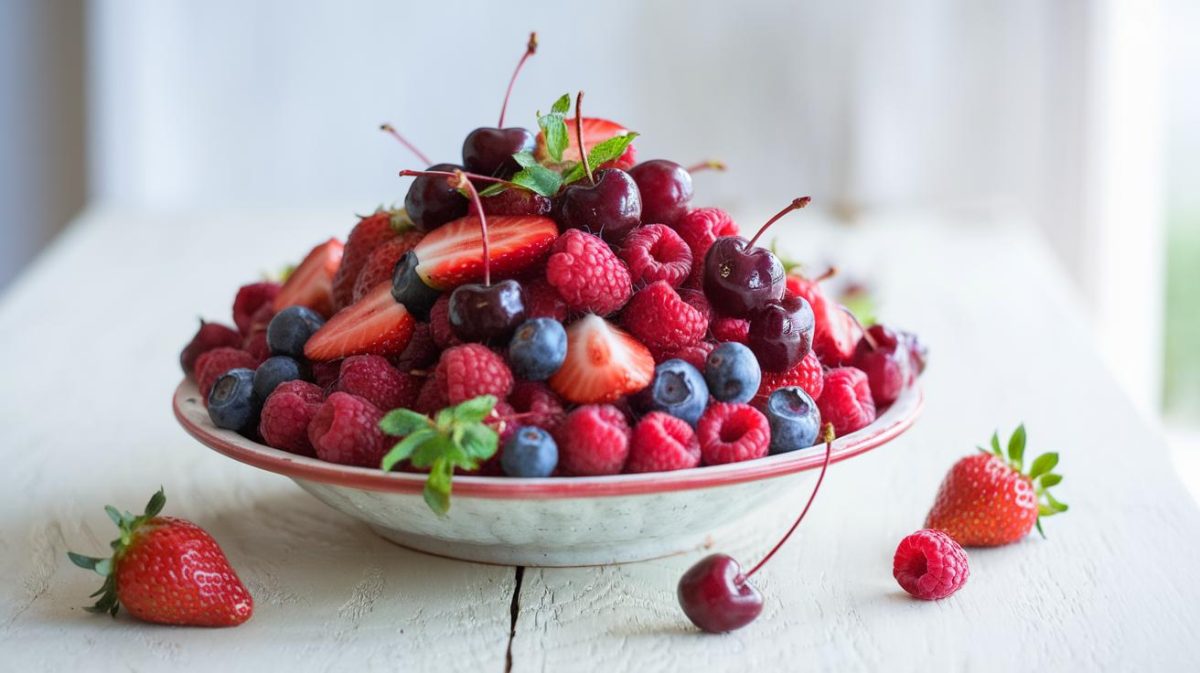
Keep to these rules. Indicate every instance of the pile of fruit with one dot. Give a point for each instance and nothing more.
(549, 307)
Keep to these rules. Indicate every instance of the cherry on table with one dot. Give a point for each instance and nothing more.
(740, 278)
(781, 333)
(431, 201)
(489, 150)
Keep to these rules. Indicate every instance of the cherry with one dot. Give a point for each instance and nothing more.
(739, 277)
(781, 333)
(489, 150)
(607, 203)
(885, 358)
(666, 189)
(716, 595)
(432, 202)
(484, 312)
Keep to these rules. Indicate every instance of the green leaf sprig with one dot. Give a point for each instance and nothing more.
(1041, 471)
(456, 437)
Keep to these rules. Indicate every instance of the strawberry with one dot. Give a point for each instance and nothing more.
(370, 232)
(603, 363)
(168, 571)
(311, 283)
(988, 500)
(374, 325)
(837, 332)
(595, 131)
(452, 254)
(382, 262)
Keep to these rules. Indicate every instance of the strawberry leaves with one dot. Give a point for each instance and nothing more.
(456, 437)
(128, 524)
(1040, 471)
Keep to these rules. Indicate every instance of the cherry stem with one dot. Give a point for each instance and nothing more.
(530, 50)
(866, 334)
(710, 165)
(811, 497)
(459, 181)
(829, 273)
(796, 204)
(587, 168)
(391, 130)
(406, 173)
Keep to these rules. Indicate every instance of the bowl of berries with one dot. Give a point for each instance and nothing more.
(547, 357)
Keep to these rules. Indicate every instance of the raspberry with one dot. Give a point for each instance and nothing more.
(542, 300)
(730, 433)
(471, 370)
(696, 299)
(382, 261)
(930, 565)
(695, 355)
(345, 430)
(248, 300)
(593, 440)
(374, 379)
(211, 365)
(421, 351)
(325, 374)
(808, 374)
(846, 400)
(256, 345)
(699, 228)
(286, 415)
(586, 273)
(655, 252)
(662, 442)
(661, 320)
(730, 329)
(537, 405)
(210, 335)
(431, 398)
(439, 323)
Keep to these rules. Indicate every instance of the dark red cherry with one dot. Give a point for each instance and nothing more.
(781, 333)
(740, 279)
(885, 359)
(432, 202)
(486, 313)
(666, 190)
(717, 597)
(609, 208)
(489, 151)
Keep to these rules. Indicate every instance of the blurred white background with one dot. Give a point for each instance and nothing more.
(1079, 116)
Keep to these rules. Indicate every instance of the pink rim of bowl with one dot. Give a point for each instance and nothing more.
(190, 413)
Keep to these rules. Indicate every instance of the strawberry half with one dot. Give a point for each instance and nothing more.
(595, 131)
(374, 325)
(836, 333)
(311, 283)
(452, 254)
(603, 364)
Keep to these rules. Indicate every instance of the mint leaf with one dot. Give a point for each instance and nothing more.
(554, 127)
(601, 153)
(1016, 448)
(475, 409)
(405, 447)
(538, 179)
(480, 442)
(402, 422)
(493, 189)
(438, 485)
(524, 159)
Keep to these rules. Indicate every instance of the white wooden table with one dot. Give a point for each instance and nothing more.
(90, 336)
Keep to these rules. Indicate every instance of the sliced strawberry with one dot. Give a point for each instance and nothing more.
(382, 261)
(595, 131)
(370, 232)
(311, 283)
(836, 333)
(604, 363)
(452, 254)
(374, 325)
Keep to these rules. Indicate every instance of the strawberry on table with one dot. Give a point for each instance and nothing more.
(311, 283)
(167, 570)
(988, 500)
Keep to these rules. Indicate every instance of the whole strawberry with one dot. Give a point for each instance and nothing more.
(988, 500)
(168, 571)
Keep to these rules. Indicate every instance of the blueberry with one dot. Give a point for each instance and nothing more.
(272, 372)
(231, 401)
(537, 349)
(678, 389)
(529, 452)
(410, 289)
(794, 419)
(290, 329)
(732, 373)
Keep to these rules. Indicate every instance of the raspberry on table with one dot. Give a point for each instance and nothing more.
(930, 565)
(543, 301)
(808, 374)
(730, 433)
(287, 414)
(730, 329)
(656, 252)
(696, 299)
(846, 400)
(211, 365)
(662, 442)
(471, 370)
(661, 320)
(593, 440)
(210, 335)
(699, 228)
(345, 430)
(537, 405)
(374, 379)
(587, 274)
(249, 299)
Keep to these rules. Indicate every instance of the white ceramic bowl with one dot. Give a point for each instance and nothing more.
(567, 521)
